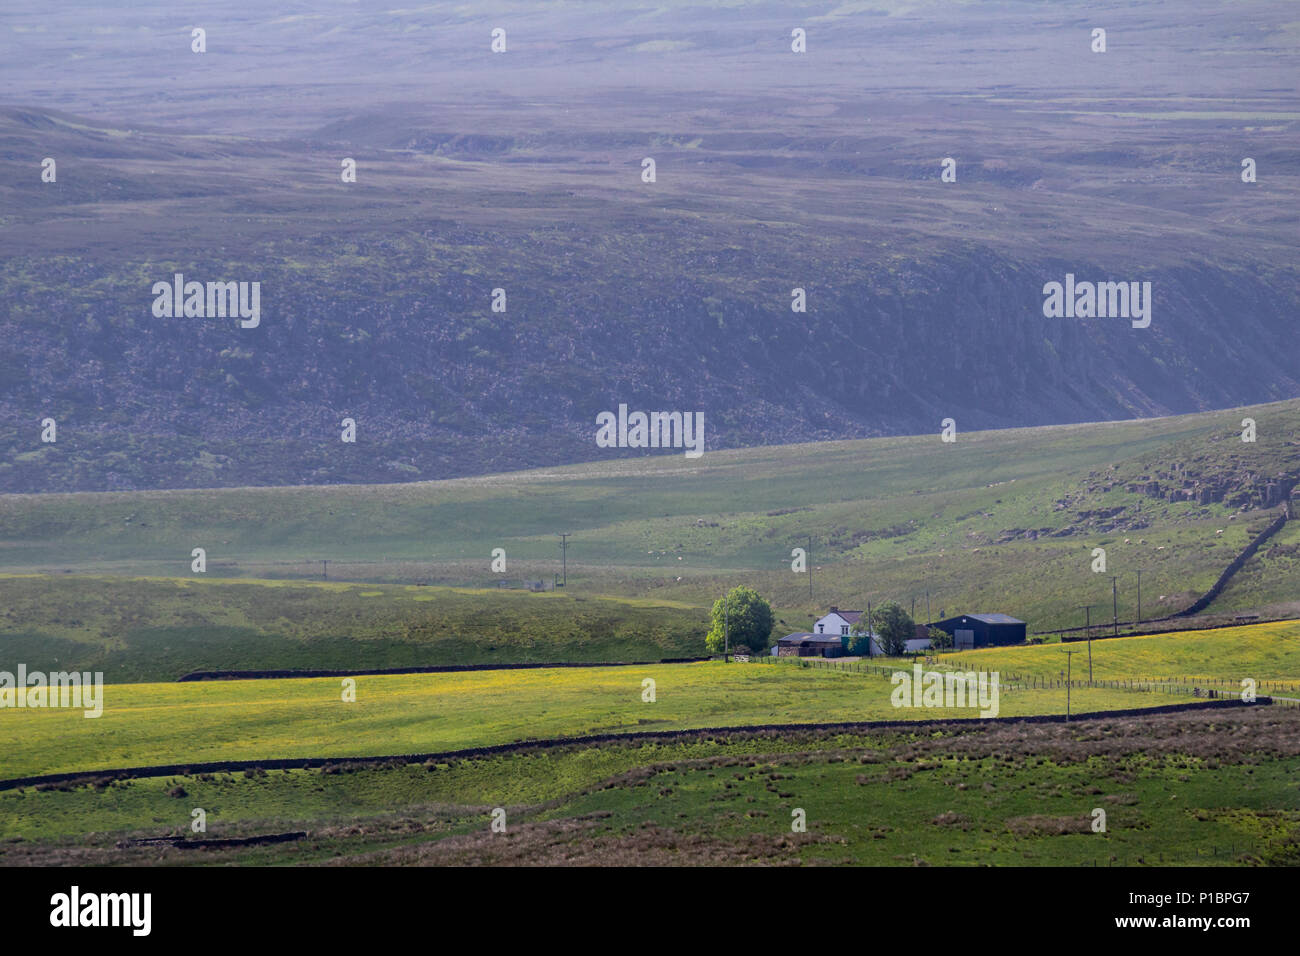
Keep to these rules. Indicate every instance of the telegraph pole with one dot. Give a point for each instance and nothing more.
(871, 640)
(1087, 633)
(929, 618)
(1139, 571)
(564, 556)
(1114, 598)
(1069, 657)
(726, 626)
(1087, 627)
(325, 570)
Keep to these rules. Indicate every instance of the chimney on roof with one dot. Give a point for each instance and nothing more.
(834, 609)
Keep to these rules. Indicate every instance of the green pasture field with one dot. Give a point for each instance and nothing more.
(158, 724)
(1263, 652)
(1183, 789)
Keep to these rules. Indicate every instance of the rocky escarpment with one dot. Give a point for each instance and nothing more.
(1193, 479)
(1240, 475)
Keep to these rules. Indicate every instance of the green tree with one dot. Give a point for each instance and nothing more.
(894, 627)
(860, 637)
(746, 617)
(940, 640)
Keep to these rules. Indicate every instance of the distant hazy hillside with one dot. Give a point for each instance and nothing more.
(775, 171)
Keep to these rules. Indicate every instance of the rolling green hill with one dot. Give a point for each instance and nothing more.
(997, 521)
(148, 629)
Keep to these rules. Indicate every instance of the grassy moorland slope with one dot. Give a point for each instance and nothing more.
(149, 629)
(997, 521)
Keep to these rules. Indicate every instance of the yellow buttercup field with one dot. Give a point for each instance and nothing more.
(1264, 652)
(153, 724)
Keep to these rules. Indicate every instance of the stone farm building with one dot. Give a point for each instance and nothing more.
(805, 644)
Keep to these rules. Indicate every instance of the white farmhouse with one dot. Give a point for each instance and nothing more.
(837, 622)
(840, 623)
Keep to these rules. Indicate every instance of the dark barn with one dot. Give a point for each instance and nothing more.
(809, 645)
(982, 630)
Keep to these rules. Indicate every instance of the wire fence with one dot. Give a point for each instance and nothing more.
(1228, 853)
(1211, 688)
